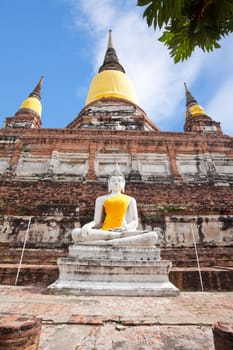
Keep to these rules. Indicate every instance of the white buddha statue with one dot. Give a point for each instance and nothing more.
(115, 219)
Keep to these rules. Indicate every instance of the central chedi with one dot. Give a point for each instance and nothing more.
(110, 256)
(111, 102)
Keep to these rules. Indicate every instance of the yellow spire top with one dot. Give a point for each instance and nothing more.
(110, 43)
(111, 80)
(33, 100)
(193, 108)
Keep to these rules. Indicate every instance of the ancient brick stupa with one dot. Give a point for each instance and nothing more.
(182, 181)
(111, 101)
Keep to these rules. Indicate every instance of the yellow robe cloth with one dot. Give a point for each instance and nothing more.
(115, 210)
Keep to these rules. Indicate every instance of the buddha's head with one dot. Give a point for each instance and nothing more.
(116, 181)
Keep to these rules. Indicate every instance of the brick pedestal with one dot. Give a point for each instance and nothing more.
(19, 333)
(223, 336)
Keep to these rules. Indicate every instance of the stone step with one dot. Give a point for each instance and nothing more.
(114, 253)
(113, 288)
(10, 255)
(213, 278)
(208, 256)
(29, 275)
(108, 270)
(180, 257)
(186, 279)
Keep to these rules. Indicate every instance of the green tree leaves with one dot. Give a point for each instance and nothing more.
(188, 24)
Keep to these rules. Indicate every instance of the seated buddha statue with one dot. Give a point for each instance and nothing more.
(115, 219)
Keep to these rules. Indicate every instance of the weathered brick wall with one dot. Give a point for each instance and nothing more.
(56, 208)
(18, 143)
(179, 256)
(32, 275)
(57, 203)
(35, 198)
(212, 279)
(10, 255)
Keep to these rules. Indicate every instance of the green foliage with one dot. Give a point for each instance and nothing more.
(189, 23)
(25, 147)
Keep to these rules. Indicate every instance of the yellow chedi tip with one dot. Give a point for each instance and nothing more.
(32, 103)
(111, 83)
(196, 110)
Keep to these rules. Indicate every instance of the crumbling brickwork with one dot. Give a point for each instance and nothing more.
(54, 175)
(32, 198)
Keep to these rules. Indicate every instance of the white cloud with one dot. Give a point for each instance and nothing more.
(219, 109)
(92, 16)
(157, 80)
(219, 76)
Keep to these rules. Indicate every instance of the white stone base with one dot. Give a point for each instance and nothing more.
(158, 289)
(107, 270)
(114, 252)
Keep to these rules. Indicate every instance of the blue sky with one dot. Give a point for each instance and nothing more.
(65, 41)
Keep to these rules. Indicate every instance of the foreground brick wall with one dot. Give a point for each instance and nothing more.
(223, 336)
(19, 333)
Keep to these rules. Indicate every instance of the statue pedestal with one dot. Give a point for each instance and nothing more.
(113, 270)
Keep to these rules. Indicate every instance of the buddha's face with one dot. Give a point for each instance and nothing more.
(116, 183)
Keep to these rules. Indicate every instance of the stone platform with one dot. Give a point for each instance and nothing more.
(71, 322)
(111, 270)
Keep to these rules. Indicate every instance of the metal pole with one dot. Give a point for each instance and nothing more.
(197, 258)
(24, 244)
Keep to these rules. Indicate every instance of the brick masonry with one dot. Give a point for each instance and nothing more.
(33, 198)
(223, 336)
(19, 333)
(181, 181)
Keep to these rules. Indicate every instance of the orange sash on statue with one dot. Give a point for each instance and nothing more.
(115, 210)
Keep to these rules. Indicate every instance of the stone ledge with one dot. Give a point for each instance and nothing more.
(214, 279)
(157, 289)
(114, 252)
